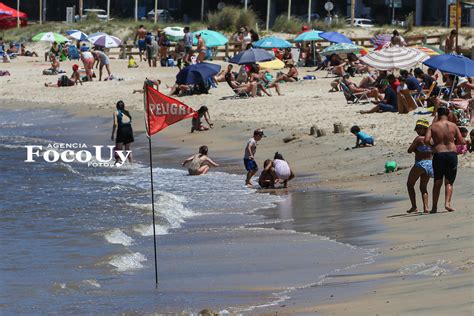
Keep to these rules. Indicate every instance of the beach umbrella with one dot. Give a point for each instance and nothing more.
(453, 64)
(429, 50)
(212, 38)
(309, 36)
(77, 35)
(335, 37)
(341, 48)
(273, 64)
(251, 56)
(394, 57)
(272, 42)
(49, 37)
(194, 74)
(105, 40)
(380, 40)
(174, 33)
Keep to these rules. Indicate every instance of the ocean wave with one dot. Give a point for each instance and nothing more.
(435, 269)
(127, 262)
(117, 236)
(147, 230)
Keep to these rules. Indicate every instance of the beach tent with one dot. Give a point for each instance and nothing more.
(8, 17)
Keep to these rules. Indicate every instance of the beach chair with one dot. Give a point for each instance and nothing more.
(239, 93)
(425, 95)
(352, 97)
(405, 102)
(73, 53)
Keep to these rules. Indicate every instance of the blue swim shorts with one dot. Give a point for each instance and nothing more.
(250, 165)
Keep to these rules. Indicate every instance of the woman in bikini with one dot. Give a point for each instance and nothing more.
(201, 48)
(423, 167)
(199, 163)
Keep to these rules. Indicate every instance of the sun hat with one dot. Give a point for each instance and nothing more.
(462, 80)
(422, 123)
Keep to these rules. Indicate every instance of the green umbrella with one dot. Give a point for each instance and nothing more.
(49, 37)
(212, 38)
(341, 48)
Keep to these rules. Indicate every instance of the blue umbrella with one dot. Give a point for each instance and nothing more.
(454, 64)
(272, 42)
(251, 56)
(77, 35)
(309, 36)
(194, 74)
(335, 37)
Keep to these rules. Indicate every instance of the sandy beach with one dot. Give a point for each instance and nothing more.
(428, 259)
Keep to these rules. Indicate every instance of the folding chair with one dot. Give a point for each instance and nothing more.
(351, 96)
(425, 95)
(406, 102)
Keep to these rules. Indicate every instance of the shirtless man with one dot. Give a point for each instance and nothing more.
(444, 135)
(140, 35)
(201, 48)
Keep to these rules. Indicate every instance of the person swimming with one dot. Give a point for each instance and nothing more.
(200, 163)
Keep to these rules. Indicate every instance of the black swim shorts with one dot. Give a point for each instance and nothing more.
(445, 165)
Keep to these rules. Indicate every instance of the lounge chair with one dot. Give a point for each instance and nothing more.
(352, 97)
(239, 92)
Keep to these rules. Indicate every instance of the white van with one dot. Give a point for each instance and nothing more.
(361, 22)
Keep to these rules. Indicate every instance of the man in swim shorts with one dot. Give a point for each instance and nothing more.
(444, 135)
(140, 35)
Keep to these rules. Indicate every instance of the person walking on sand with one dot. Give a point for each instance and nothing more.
(140, 35)
(199, 163)
(249, 156)
(444, 135)
(423, 167)
(123, 125)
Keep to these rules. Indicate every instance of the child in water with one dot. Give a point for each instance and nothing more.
(282, 170)
(363, 139)
(199, 163)
(267, 177)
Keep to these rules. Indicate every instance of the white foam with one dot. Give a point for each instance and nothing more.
(131, 261)
(116, 236)
(435, 269)
(147, 230)
(92, 282)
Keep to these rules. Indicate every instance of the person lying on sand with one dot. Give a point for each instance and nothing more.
(64, 81)
(423, 167)
(27, 53)
(200, 163)
(55, 66)
(155, 83)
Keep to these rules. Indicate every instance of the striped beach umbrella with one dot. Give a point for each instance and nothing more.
(429, 50)
(49, 37)
(77, 35)
(341, 48)
(309, 36)
(272, 42)
(105, 40)
(174, 33)
(212, 38)
(380, 40)
(394, 58)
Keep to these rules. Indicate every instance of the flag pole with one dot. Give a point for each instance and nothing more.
(151, 181)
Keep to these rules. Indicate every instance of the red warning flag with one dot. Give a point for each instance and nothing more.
(162, 111)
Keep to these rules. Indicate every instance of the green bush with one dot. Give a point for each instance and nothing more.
(231, 18)
(282, 24)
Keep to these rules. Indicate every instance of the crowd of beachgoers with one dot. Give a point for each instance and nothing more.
(384, 77)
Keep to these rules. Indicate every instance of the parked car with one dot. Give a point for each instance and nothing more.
(100, 13)
(361, 22)
(163, 15)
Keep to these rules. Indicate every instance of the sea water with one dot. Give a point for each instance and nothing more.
(77, 239)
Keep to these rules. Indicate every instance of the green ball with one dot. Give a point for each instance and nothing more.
(390, 166)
